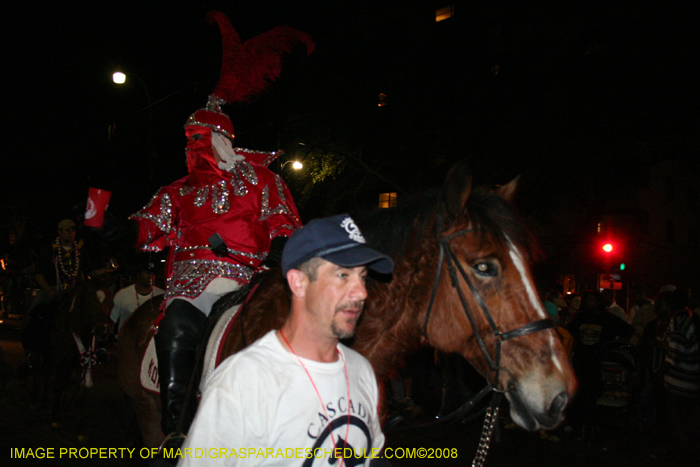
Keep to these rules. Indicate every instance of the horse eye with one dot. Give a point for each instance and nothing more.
(486, 268)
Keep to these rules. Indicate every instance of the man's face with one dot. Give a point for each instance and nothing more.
(576, 303)
(336, 298)
(67, 233)
(144, 279)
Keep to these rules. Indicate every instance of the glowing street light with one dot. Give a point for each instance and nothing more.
(607, 247)
(296, 165)
(118, 77)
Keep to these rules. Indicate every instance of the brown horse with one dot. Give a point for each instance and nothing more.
(81, 318)
(461, 264)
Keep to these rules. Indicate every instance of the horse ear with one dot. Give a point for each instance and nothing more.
(458, 187)
(508, 190)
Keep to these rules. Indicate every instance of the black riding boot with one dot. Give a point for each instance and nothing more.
(176, 345)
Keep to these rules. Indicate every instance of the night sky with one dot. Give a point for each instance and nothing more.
(562, 92)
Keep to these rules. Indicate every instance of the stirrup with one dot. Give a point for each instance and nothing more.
(172, 436)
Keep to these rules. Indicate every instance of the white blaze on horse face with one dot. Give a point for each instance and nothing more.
(532, 295)
(520, 266)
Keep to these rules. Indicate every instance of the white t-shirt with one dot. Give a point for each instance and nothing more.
(261, 404)
(126, 301)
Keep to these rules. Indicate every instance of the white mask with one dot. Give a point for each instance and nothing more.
(224, 148)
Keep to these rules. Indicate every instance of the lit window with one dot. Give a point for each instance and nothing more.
(387, 200)
(444, 13)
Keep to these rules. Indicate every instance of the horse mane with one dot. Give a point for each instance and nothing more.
(389, 230)
(497, 218)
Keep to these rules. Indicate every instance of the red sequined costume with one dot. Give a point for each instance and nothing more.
(248, 205)
(227, 191)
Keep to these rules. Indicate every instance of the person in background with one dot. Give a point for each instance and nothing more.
(641, 313)
(682, 379)
(133, 296)
(608, 299)
(573, 305)
(591, 329)
(59, 269)
(553, 303)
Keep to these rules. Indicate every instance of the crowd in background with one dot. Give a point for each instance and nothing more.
(638, 367)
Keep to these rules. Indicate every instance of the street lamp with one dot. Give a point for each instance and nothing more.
(119, 77)
(296, 165)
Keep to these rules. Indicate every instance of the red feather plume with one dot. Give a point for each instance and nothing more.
(247, 67)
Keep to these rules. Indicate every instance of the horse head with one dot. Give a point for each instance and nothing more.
(486, 306)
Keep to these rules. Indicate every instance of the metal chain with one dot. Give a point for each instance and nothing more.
(486, 432)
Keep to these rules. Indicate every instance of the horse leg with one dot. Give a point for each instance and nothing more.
(145, 406)
(80, 412)
(60, 378)
(59, 386)
(148, 415)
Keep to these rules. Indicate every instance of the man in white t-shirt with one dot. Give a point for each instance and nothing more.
(297, 396)
(133, 296)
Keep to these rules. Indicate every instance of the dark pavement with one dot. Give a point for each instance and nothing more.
(24, 425)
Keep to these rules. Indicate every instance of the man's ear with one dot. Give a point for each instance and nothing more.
(297, 281)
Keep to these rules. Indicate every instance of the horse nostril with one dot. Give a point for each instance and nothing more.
(559, 403)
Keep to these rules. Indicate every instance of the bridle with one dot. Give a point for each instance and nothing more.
(494, 362)
(454, 266)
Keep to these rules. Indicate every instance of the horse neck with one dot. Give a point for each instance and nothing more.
(84, 314)
(392, 325)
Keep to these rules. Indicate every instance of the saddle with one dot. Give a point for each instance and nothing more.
(209, 350)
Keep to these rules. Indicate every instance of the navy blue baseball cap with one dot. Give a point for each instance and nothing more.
(336, 239)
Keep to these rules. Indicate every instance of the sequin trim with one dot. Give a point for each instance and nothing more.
(239, 188)
(185, 190)
(191, 277)
(164, 220)
(219, 198)
(258, 256)
(282, 208)
(273, 234)
(192, 121)
(241, 171)
(200, 198)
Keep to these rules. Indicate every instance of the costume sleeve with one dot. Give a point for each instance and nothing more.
(156, 222)
(278, 209)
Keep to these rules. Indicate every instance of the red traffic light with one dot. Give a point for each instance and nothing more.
(608, 247)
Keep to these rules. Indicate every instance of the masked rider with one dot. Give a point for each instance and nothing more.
(228, 191)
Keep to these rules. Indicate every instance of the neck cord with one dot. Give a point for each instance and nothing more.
(138, 302)
(347, 381)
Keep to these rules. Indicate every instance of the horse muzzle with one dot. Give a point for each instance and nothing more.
(537, 410)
